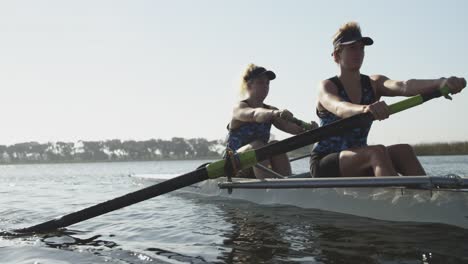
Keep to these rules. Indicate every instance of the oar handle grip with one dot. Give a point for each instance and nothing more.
(303, 124)
(418, 99)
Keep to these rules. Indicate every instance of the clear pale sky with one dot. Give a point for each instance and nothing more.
(97, 70)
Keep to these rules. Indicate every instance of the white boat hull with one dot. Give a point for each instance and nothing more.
(383, 203)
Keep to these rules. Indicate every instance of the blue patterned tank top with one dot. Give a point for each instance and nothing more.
(354, 138)
(248, 132)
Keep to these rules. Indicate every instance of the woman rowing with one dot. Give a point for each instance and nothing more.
(252, 119)
(350, 93)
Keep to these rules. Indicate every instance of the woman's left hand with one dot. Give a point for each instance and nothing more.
(313, 125)
(379, 110)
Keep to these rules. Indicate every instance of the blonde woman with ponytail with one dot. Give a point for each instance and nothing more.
(252, 119)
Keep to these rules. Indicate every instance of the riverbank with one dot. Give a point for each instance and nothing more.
(157, 150)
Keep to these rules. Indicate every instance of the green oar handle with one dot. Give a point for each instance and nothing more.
(418, 99)
(394, 108)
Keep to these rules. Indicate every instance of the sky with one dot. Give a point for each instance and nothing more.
(98, 70)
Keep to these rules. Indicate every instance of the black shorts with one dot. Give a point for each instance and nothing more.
(325, 166)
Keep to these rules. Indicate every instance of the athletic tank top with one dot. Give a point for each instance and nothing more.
(248, 132)
(353, 138)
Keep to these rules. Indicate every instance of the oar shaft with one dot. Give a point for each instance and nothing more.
(299, 158)
(309, 137)
(250, 158)
(340, 126)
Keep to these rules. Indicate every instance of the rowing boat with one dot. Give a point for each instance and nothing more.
(426, 199)
(453, 212)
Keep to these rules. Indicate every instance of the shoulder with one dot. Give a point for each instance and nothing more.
(377, 82)
(378, 78)
(270, 107)
(328, 86)
(327, 89)
(241, 104)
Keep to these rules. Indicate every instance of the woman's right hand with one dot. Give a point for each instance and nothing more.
(454, 84)
(379, 110)
(285, 114)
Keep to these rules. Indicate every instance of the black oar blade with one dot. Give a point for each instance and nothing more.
(119, 202)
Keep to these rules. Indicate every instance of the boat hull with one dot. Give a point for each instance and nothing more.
(383, 203)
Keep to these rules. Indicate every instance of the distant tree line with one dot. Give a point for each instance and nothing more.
(453, 148)
(111, 150)
(157, 149)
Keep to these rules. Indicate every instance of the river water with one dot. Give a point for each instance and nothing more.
(183, 228)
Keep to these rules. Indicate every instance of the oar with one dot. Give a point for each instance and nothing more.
(216, 169)
(304, 125)
(299, 158)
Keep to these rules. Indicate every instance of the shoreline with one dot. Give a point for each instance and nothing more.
(156, 160)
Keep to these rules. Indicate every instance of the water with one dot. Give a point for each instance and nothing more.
(184, 228)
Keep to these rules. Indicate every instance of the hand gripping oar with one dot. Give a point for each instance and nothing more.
(304, 125)
(216, 169)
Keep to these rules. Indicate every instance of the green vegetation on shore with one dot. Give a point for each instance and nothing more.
(452, 148)
(110, 150)
(157, 149)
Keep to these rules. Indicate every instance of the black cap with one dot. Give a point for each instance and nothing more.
(260, 71)
(349, 37)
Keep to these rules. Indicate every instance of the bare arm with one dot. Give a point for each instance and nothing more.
(329, 99)
(244, 113)
(288, 126)
(386, 87)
